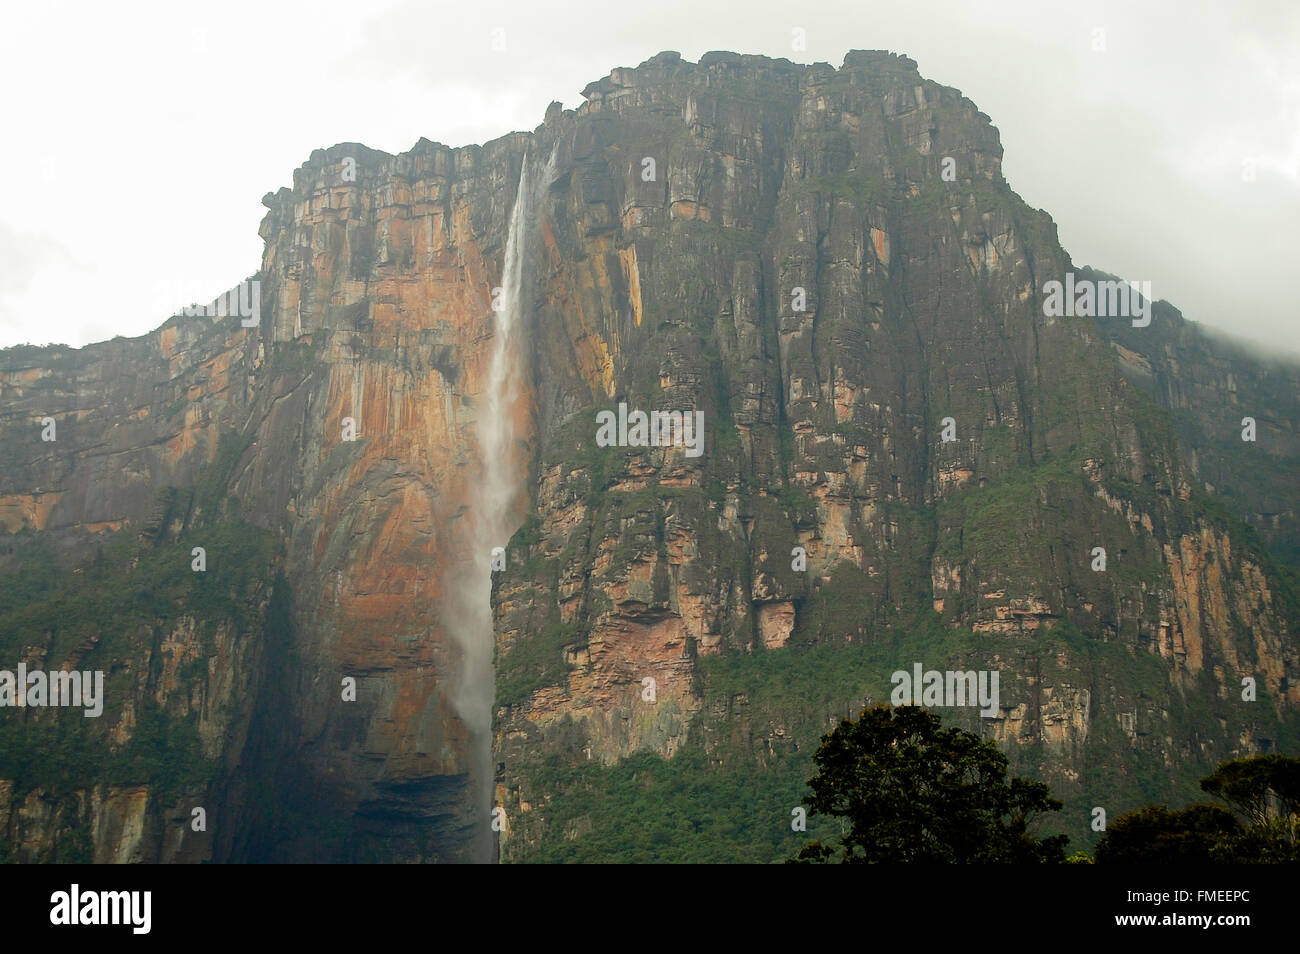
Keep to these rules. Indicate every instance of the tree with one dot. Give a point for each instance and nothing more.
(1158, 836)
(1264, 788)
(913, 791)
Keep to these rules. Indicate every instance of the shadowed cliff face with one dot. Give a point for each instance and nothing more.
(774, 246)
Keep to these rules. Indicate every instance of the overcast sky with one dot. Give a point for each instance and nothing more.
(143, 136)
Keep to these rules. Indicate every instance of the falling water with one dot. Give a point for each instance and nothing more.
(495, 516)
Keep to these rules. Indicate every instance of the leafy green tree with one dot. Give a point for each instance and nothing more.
(1264, 788)
(1274, 842)
(912, 791)
(1156, 835)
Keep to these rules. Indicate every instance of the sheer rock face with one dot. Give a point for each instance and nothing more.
(375, 306)
(773, 245)
(800, 269)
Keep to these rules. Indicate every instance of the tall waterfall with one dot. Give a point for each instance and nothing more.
(495, 516)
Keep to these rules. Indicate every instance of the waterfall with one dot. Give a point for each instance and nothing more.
(495, 516)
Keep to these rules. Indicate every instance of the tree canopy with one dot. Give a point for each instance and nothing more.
(1263, 788)
(913, 791)
(1264, 791)
(1155, 834)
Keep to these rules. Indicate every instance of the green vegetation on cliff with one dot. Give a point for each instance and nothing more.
(130, 593)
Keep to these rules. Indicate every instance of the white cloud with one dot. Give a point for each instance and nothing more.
(142, 136)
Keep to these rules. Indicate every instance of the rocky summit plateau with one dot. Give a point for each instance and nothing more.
(391, 570)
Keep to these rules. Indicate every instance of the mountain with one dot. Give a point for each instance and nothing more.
(902, 458)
